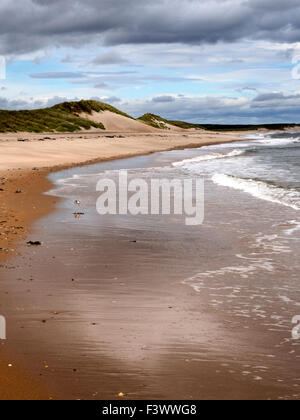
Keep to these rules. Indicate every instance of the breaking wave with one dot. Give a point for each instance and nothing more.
(260, 189)
(211, 156)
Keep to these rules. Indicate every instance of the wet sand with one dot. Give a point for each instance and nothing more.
(106, 312)
(18, 211)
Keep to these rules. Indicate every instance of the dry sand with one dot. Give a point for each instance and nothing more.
(23, 169)
(116, 122)
(58, 150)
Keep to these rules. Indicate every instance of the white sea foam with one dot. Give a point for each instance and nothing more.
(275, 142)
(269, 140)
(271, 244)
(260, 189)
(295, 227)
(199, 281)
(211, 156)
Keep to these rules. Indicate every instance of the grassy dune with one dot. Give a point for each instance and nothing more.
(67, 117)
(64, 117)
(159, 122)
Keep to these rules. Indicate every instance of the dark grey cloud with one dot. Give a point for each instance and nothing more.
(12, 104)
(112, 100)
(56, 75)
(20, 104)
(29, 25)
(109, 58)
(67, 59)
(102, 85)
(276, 96)
(107, 79)
(248, 89)
(163, 99)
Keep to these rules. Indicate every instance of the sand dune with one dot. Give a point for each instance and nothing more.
(116, 122)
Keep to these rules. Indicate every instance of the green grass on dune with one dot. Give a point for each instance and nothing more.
(64, 117)
(159, 122)
(154, 120)
(45, 120)
(88, 107)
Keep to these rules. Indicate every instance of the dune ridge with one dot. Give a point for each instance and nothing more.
(89, 115)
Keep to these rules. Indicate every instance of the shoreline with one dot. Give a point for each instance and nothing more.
(35, 204)
(20, 210)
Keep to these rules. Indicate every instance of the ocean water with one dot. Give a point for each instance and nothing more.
(258, 182)
(267, 167)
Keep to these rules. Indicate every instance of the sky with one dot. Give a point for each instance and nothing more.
(203, 61)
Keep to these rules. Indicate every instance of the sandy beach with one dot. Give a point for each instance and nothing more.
(142, 306)
(24, 168)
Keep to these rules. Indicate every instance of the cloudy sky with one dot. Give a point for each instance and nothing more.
(210, 61)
